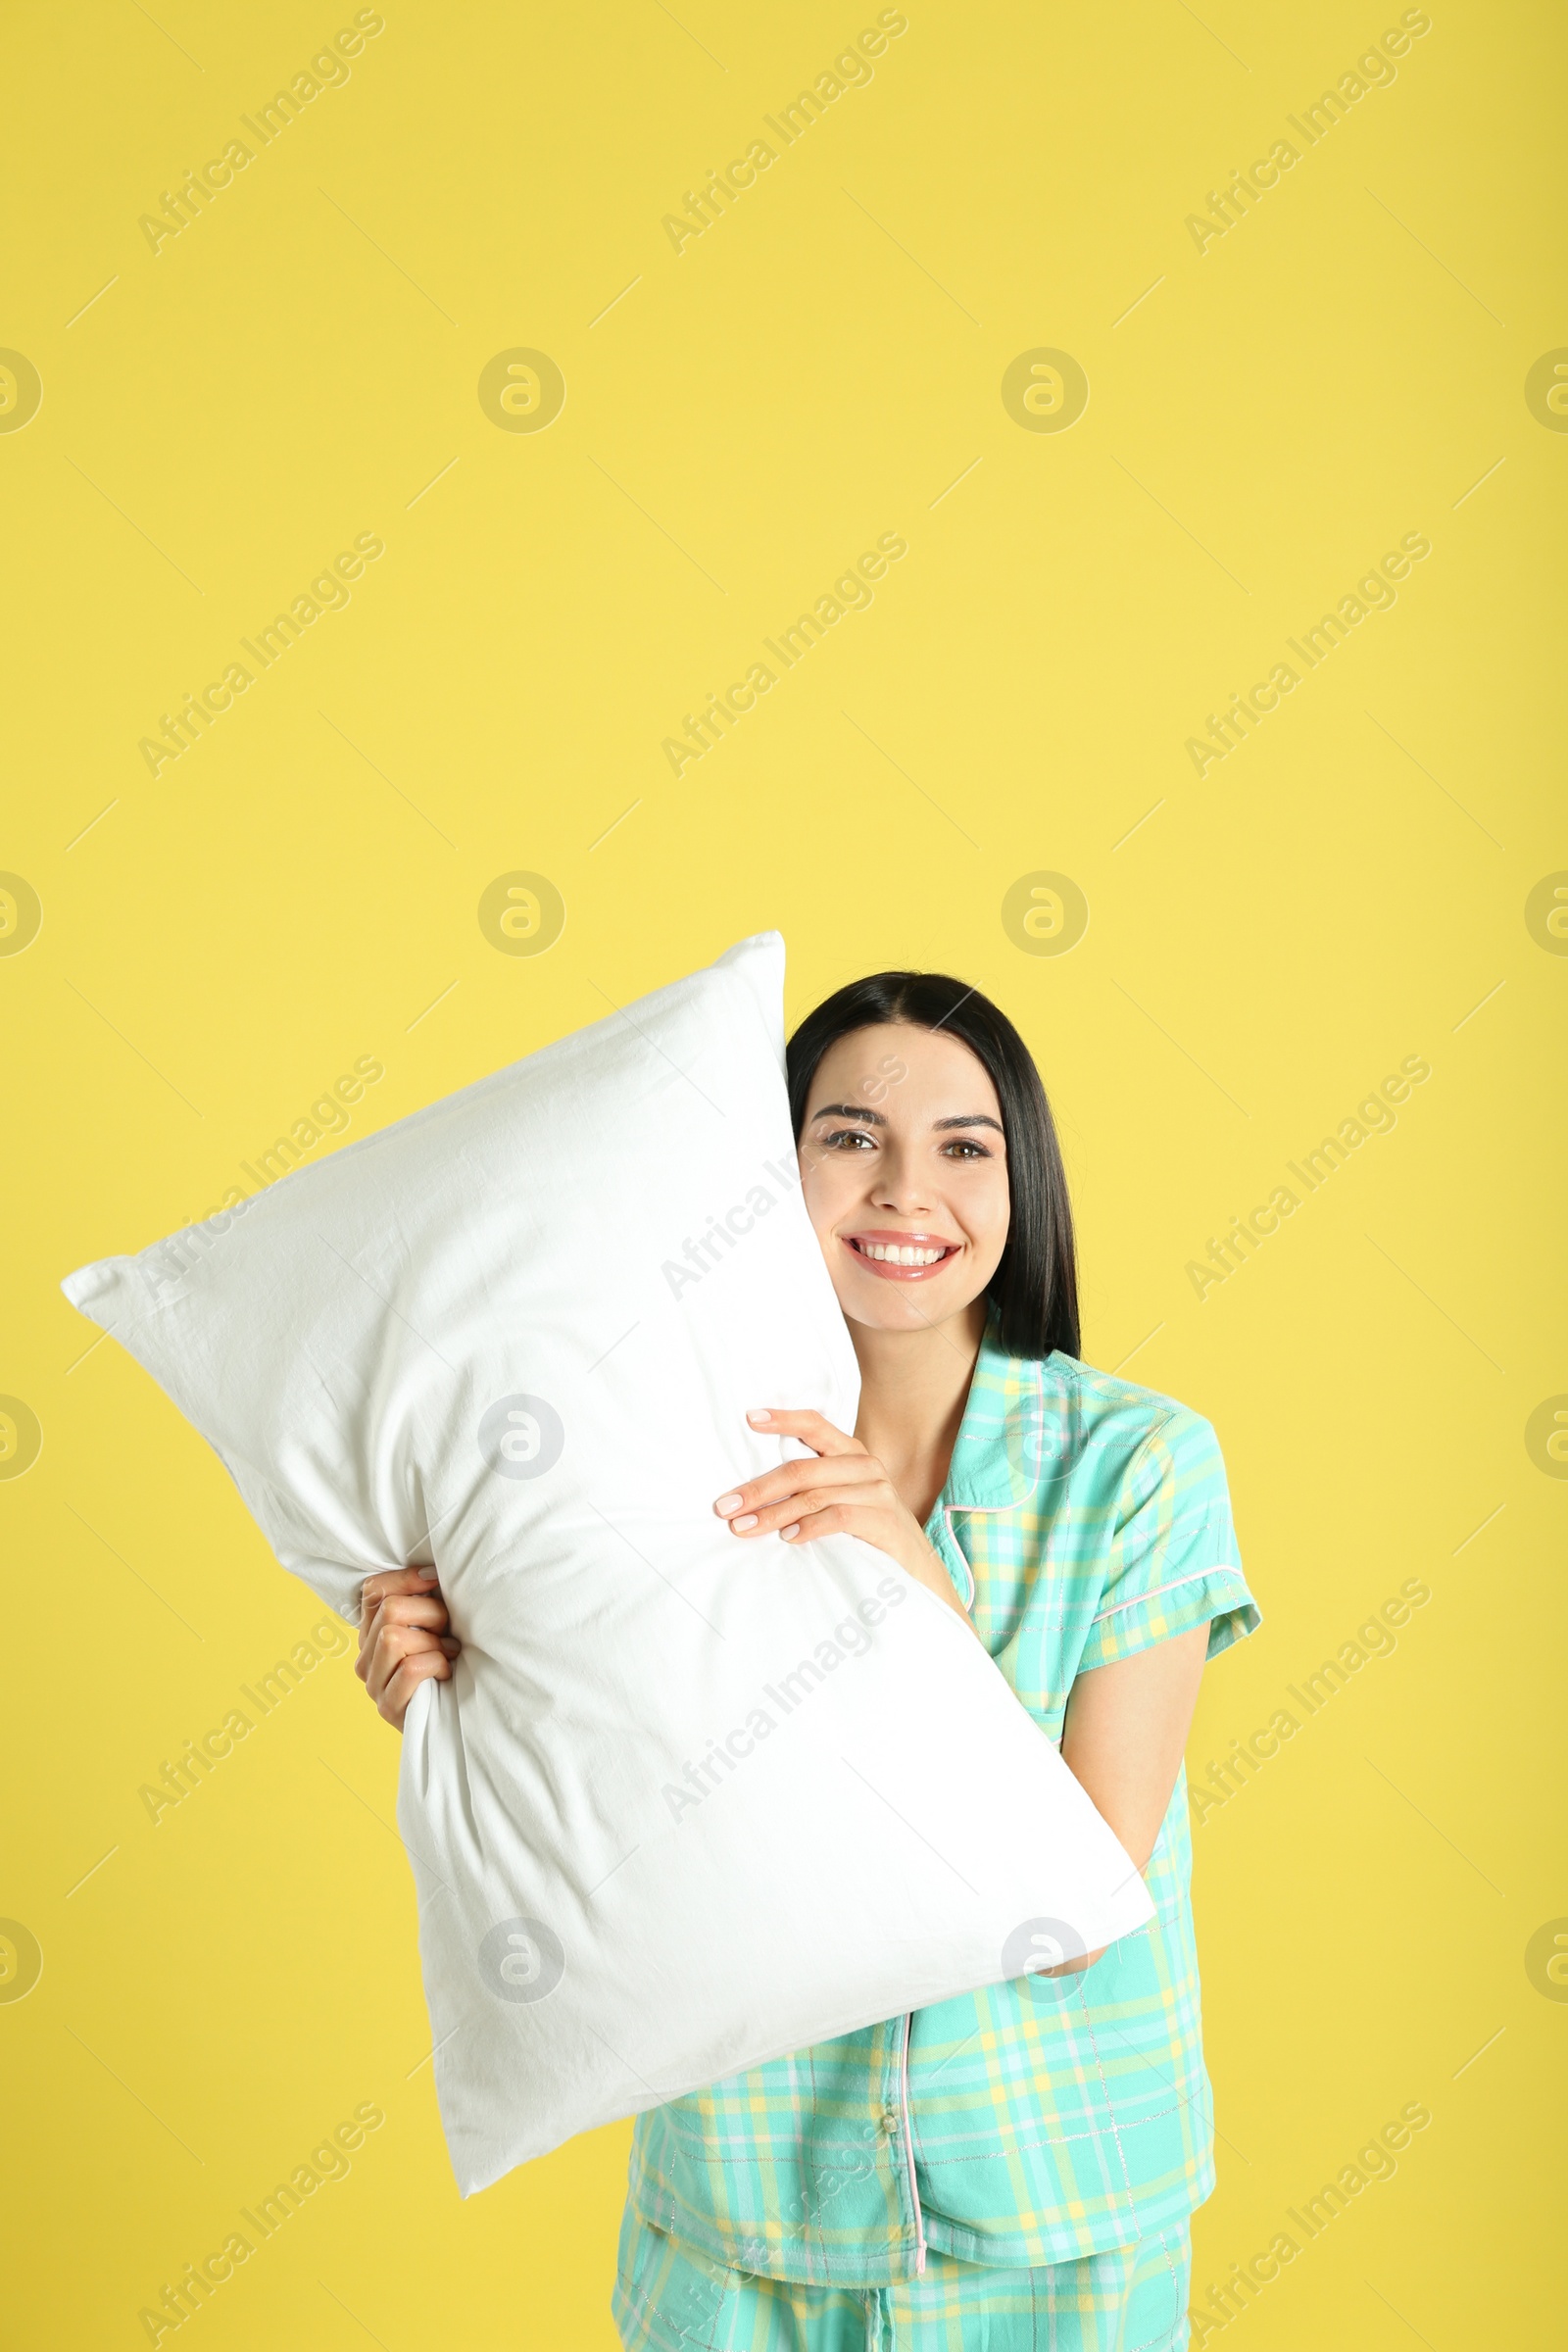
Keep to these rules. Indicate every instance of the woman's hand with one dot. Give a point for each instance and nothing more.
(404, 1638)
(845, 1491)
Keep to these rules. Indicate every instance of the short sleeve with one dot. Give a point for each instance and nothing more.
(1173, 1563)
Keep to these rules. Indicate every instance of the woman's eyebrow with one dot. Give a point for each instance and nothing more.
(874, 1118)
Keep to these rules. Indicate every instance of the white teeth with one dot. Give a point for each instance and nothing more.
(896, 1254)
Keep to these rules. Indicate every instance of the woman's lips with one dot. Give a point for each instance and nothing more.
(889, 1269)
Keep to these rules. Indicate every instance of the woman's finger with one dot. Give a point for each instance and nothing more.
(812, 1504)
(394, 1701)
(387, 1652)
(834, 1519)
(791, 1477)
(412, 1609)
(813, 1429)
(376, 1607)
(403, 1609)
(386, 1581)
(393, 1647)
(386, 1585)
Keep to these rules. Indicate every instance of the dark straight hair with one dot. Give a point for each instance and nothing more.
(1035, 1287)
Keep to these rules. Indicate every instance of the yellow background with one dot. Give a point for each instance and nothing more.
(219, 942)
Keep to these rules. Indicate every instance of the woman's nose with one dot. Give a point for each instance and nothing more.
(898, 1189)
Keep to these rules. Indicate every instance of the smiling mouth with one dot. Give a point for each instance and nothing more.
(900, 1256)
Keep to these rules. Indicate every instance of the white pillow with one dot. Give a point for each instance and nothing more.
(687, 1803)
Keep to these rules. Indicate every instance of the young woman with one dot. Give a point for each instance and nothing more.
(1017, 2167)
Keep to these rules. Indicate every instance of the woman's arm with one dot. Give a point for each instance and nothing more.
(1126, 1726)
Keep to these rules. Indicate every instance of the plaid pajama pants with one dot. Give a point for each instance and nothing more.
(670, 2298)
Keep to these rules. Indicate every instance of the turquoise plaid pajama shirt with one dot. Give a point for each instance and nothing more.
(1041, 2120)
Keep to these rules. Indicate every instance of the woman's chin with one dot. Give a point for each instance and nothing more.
(897, 1306)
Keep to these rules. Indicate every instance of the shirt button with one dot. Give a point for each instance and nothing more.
(892, 2122)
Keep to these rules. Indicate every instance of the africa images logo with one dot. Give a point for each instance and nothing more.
(521, 1436)
(521, 1960)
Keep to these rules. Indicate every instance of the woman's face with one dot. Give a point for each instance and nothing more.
(902, 1157)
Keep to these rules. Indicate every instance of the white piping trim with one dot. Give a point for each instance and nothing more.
(1220, 1568)
(909, 2147)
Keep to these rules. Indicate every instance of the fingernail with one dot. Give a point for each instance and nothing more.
(748, 1519)
(728, 1504)
(760, 1414)
(790, 1532)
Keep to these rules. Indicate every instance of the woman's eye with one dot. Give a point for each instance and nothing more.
(847, 1135)
(967, 1148)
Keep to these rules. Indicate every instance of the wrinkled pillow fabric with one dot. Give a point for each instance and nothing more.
(686, 1803)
